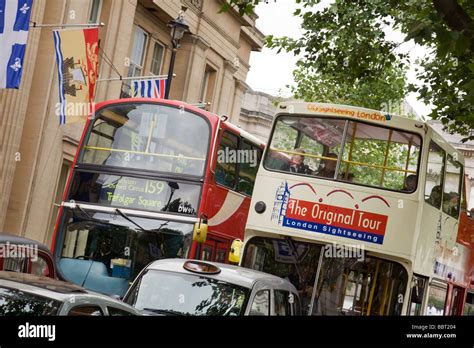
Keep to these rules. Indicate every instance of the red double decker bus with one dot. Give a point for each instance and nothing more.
(149, 179)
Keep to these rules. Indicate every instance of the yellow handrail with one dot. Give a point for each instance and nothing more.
(372, 290)
(345, 161)
(142, 153)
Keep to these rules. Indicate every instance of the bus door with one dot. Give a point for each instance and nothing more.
(417, 295)
(456, 300)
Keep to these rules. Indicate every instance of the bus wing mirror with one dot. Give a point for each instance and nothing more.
(234, 254)
(200, 231)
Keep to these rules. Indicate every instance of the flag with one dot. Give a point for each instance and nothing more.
(152, 88)
(78, 64)
(14, 24)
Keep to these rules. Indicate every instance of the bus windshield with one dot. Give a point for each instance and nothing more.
(345, 150)
(105, 251)
(148, 136)
(331, 279)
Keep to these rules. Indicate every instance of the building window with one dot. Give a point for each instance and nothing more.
(157, 59)
(63, 176)
(95, 11)
(137, 58)
(208, 85)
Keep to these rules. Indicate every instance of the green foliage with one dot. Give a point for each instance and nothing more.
(347, 58)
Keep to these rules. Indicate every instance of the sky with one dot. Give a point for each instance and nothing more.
(271, 72)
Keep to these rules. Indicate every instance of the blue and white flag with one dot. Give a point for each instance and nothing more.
(153, 88)
(14, 25)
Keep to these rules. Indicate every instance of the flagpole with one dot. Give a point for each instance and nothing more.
(120, 78)
(35, 25)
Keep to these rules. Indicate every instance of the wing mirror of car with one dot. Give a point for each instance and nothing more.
(200, 230)
(234, 254)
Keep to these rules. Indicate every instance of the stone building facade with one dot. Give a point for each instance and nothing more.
(36, 152)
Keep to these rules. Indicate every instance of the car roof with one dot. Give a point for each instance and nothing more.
(50, 288)
(13, 239)
(237, 275)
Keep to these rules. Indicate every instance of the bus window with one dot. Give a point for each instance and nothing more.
(416, 296)
(436, 300)
(248, 167)
(284, 137)
(371, 155)
(469, 305)
(456, 298)
(380, 157)
(274, 256)
(452, 187)
(226, 166)
(350, 286)
(148, 136)
(434, 175)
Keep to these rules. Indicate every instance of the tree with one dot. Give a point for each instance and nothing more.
(344, 44)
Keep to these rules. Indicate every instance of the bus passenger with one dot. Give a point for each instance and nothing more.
(410, 183)
(435, 196)
(297, 163)
(329, 166)
(451, 203)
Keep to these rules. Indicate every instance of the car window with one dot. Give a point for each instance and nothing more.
(116, 312)
(261, 303)
(18, 303)
(86, 311)
(282, 304)
(40, 267)
(15, 264)
(296, 305)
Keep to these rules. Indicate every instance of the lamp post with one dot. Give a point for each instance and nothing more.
(178, 28)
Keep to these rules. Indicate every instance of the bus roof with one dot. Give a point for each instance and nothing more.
(176, 103)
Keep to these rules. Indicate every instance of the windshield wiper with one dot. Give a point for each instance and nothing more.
(126, 217)
(78, 207)
(163, 311)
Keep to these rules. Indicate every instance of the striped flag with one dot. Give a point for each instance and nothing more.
(152, 88)
(14, 25)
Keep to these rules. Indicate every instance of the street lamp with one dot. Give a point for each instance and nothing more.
(178, 28)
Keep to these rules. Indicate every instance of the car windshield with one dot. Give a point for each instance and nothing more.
(185, 294)
(18, 303)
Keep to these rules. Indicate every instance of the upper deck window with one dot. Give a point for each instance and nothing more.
(452, 187)
(148, 136)
(345, 150)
